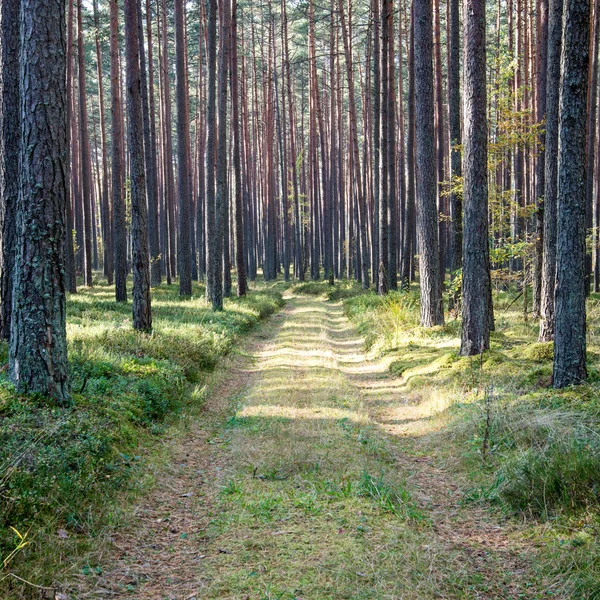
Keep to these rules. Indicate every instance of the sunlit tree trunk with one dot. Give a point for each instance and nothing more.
(569, 339)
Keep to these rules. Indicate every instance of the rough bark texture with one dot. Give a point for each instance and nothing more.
(107, 262)
(432, 308)
(591, 140)
(239, 223)
(542, 70)
(555, 11)
(391, 155)
(38, 347)
(360, 200)
(119, 231)
(476, 288)
(213, 251)
(221, 188)
(455, 136)
(142, 315)
(149, 150)
(10, 134)
(409, 217)
(183, 141)
(569, 339)
(70, 276)
(84, 149)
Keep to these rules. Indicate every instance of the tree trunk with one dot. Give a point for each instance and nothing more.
(104, 191)
(149, 146)
(454, 115)
(409, 217)
(542, 70)
(10, 134)
(183, 142)
(213, 249)
(555, 12)
(237, 167)
(385, 175)
(84, 149)
(360, 199)
(142, 315)
(432, 308)
(476, 289)
(38, 340)
(569, 339)
(119, 227)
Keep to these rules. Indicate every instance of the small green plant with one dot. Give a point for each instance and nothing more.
(391, 497)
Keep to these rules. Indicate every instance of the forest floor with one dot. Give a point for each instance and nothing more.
(309, 475)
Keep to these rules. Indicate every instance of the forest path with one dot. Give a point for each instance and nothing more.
(302, 479)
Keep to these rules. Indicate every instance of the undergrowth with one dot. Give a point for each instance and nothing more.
(60, 466)
(526, 448)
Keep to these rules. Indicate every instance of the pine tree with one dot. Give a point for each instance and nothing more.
(38, 340)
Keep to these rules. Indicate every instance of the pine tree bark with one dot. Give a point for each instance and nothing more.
(383, 266)
(542, 70)
(70, 275)
(476, 288)
(10, 135)
(353, 142)
(149, 145)
(104, 191)
(376, 132)
(118, 166)
(454, 116)
(591, 138)
(142, 314)
(555, 12)
(169, 178)
(242, 284)
(84, 149)
(569, 340)
(183, 143)
(213, 250)
(408, 246)
(38, 341)
(432, 308)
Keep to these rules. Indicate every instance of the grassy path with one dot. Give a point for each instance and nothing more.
(305, 478)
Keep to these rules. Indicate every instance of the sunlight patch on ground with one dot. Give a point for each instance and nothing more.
(292, 412)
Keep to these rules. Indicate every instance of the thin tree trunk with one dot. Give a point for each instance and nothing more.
(213, 249)
(555, 12)
(10, 136)
(183, 143)
(84, 149)
(542, 70)
(120, 234)
(239, 223)
(454, 115)
(104, 190)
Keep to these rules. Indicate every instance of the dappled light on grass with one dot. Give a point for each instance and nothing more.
(311, 413)
(60, 467)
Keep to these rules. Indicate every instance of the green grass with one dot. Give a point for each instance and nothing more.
(341, 290)
(60, 467)
(522, 446)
